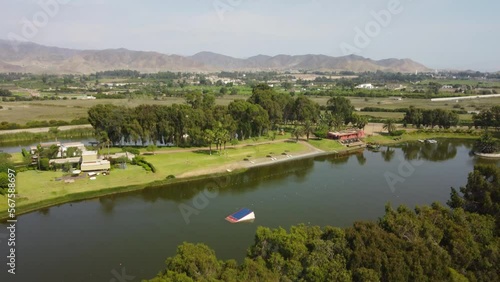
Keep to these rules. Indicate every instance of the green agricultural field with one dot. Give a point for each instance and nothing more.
(67, 110)
(488, 84)
(387, 103)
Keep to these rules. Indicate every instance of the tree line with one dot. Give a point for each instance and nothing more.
(201, 122)
(430, 243)
(488, 118)
(430, 118)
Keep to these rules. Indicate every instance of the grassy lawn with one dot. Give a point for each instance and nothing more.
(386, 139)
(36, 187)
(327, 145)
(178, 163)
(17, 158)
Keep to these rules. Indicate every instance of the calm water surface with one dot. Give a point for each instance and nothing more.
(86, 241)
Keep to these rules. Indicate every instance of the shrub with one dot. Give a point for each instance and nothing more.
(131, 150)
(321, 133)
(140, 161)
(398, 132)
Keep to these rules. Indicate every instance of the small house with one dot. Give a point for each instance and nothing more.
(90, 162)
(347, 135)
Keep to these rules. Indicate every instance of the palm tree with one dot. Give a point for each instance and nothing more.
(298, 132)
(308, 129)
(209, 137)
(361, 122)
(390, 126)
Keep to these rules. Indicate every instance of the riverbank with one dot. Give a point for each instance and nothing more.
(386, 139)
(38, 190)
(488, 156)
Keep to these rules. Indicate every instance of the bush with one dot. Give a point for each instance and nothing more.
(321, 133)
(140, 161)
(44, 164)
(131, 150)
(171, 176)
(398, 132)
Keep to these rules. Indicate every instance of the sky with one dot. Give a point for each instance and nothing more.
(441, 34)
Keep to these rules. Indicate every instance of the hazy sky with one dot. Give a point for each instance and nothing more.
(438, 33)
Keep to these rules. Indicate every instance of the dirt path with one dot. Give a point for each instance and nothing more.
(213, 148)
(310, 152)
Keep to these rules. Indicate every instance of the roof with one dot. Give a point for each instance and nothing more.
(67, 160)
(89, 153)
(73, 144)
(48, 144)
(239, 215)
(345, 132)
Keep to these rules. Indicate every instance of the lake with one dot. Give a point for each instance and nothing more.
(135, 232)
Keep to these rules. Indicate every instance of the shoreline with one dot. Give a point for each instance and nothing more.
(488, 156)
(234, 168)
(221, 171)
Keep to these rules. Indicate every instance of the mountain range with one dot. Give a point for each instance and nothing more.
(35, 58)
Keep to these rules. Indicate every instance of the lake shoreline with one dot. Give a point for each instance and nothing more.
(219, 171)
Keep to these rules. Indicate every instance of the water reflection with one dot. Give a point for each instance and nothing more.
(230, 184)
(388, 154)
(254, 178)
(361, 158)
(442, 151)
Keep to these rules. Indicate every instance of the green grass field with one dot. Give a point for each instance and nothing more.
(67, 110)
(327, 145)
(414, 136)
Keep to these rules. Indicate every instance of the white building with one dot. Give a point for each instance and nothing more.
(365, 86)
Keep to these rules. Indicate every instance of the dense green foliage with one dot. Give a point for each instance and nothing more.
(5, 92)
(431, 243)
(201, 122)
(140, 161)
(5, 165)
(487, 144)
(488, 118)
(431, 118)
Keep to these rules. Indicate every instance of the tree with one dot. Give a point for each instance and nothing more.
(488, 118)
(413, 116)
(305, 109)
(482, 192)
(390, 126)
(251, 119)
(5, 92)
(54, 131)
(308, 129)
(223, 91)
(151, 148)
(359, 121)
(486, 144)
(209, 138)
(342, 107)
(287, 85)
(298, 132)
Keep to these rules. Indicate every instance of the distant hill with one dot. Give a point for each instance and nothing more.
(35, 58)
